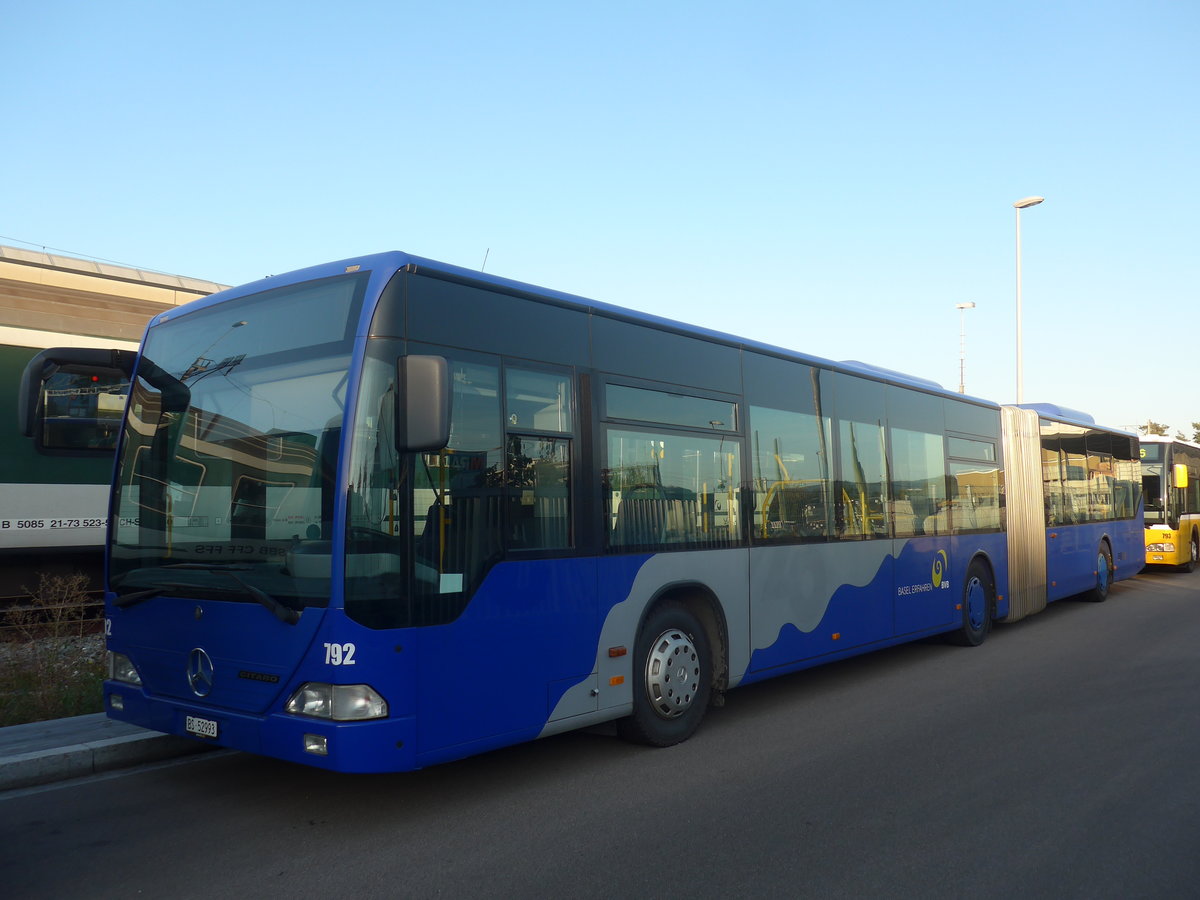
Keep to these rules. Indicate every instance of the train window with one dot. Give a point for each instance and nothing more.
(83, 409)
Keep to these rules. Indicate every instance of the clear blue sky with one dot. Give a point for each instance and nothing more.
(828, 177)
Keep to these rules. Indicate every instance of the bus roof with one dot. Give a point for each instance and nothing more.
(1166, 439)
(1068, 416)
(395, 260)
(1061, 413)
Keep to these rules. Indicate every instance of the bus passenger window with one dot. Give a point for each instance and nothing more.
(539, 470)
(791, 476)
(862, 492)
(975, 488)
(919, 486)
(537, 400)
(1101, 476)
(1052, 487)
(1065, 473)
(1126, 491)
(671, 489)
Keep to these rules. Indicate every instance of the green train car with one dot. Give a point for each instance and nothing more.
(53, 495)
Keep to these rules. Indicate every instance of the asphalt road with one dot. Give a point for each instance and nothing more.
(1057, 760)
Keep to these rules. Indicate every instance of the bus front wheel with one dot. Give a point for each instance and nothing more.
(978, 604)
(672, 678)
(1194, 550)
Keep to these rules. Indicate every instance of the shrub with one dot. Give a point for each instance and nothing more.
(52, 658)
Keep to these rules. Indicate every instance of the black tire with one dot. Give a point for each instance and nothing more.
(1104, 575)
(672, 678)
(978, 606)
(1190, 565)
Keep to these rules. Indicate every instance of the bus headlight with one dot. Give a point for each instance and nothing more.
(121, 668)
(1164, 547)
(340, 702)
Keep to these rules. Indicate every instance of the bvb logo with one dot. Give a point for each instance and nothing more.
(940, 562)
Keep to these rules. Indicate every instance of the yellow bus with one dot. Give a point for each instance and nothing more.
(1171, 486)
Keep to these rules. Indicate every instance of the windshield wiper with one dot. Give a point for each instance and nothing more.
(283, 613)
(174, 588)
(135, 597)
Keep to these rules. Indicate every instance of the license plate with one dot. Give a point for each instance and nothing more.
(206, 728)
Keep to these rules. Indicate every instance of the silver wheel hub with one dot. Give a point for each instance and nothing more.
(672, 674)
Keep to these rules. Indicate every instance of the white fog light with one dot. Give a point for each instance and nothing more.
(121, 668)
(340, 702)
(316, 743)
(116, 701)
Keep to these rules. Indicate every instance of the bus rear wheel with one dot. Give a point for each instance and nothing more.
(1104, 575)
(672, 678)
(978, 605)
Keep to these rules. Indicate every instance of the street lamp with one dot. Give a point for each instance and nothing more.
(962, 342)
(1020, 205)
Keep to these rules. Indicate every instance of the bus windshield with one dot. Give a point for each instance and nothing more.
(227, 470)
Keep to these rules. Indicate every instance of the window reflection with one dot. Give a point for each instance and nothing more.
(791, 475)
(671, 489)
(538, 489)
(231, 445)
(83, 410)
(670, 409)
(976, 497)
(919, 486)
(537, 400)
(1088, 475)
(457, 491)
(425, 528)
(863, 489)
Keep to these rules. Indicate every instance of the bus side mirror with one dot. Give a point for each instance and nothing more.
(1180, 475)
(423, 420)
(72, 398)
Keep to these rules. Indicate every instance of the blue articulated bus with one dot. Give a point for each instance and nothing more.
(386, 513)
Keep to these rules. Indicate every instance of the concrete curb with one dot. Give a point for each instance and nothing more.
(92, 752)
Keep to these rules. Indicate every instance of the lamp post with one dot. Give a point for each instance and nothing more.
(1020, 205)
(962, 343)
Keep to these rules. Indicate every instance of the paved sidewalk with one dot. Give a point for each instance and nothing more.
(45, 752)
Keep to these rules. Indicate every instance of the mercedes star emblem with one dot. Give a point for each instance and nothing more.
(200, 672)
